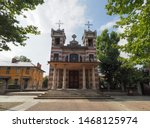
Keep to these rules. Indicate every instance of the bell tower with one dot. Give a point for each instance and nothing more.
(58, 37)
(58, 40)
(89, 40)
(89, 37)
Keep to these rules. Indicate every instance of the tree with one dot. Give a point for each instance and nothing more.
(10, 29)
(22, 59)
(108, 53)
(45, 82)
(129, 77)
(134, 17)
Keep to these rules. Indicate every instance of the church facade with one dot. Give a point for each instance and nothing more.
(73, 66)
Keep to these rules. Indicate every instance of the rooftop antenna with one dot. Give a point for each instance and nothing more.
(88, 24)
(59, 24)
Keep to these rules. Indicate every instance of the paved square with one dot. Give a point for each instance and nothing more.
(119, 103)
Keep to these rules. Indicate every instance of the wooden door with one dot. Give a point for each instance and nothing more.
(74, 79)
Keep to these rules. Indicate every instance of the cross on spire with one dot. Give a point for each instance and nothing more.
(59, 24)
(74, 36)
(88, 24)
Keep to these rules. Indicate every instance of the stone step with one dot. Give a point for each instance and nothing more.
(73, 94)
(115, 93)
(79, 97)
(34, 93)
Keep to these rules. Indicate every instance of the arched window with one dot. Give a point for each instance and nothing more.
(56, 57)
(57, 41)
(73, 57)
(91, 57)
(66, 58)
(90, 42)
(80, 58)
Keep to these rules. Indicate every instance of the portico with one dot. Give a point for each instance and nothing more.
(68, 74)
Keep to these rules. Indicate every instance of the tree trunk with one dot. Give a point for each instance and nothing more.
(122, 87)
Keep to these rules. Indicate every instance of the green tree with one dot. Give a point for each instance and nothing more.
(45, 82)
(22, 59)
(10, 29)
(108, 53)
(134, 17)
(129, 77)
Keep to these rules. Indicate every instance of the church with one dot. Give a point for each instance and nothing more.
(73, 66)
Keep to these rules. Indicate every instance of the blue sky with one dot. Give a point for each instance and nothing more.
(73, 13)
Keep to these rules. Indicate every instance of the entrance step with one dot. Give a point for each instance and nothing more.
(27, 93)
(73, 94)
(115, 93)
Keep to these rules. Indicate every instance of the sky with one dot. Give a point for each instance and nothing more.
(74, 14)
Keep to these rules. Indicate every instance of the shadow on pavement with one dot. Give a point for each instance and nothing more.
(123, 99)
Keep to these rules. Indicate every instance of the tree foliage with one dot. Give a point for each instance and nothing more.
(10, 28)
(129, 77)
(22, 58)
(108, 53)
(45, 82)
(135, 18)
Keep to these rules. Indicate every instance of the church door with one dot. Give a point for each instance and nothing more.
(74, 79)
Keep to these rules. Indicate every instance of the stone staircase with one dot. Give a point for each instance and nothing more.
(73, 94)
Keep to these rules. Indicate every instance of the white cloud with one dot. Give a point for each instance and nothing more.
(70, 12)
(108, 25)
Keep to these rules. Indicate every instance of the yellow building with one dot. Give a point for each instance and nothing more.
(21, 75)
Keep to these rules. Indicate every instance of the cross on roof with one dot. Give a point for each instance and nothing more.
(88, 24)
(74, 36)
(59, 23)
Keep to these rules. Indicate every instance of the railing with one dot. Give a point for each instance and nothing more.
(74, 61)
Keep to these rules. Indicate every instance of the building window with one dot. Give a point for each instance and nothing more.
(90, 42)
(66, 58)
(80, 58)
(27, 70)
(91, 57)
(57, 41)
(17, 70)
(7, 70)
(56, 57)
(74, 58)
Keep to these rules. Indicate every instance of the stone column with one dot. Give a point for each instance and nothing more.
(84, 82)
(54, 79)
(64, 78)
(57, 78)
(89, 78)
(93, 78)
